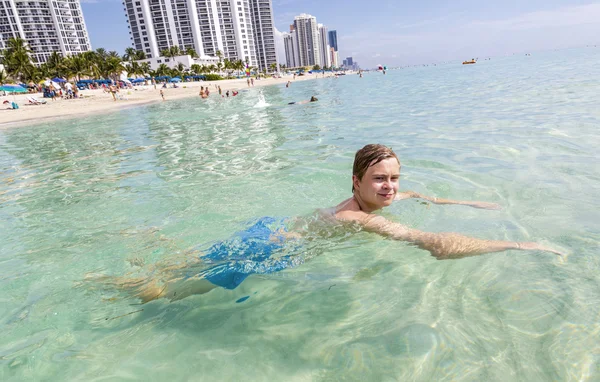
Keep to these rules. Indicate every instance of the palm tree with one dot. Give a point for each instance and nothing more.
(166, 53)
(196, 69)
(112, 68)
(3, 76)
(191, 52)
(145, 68)
(227, 65)
(101, 53)
(175, 51)
(114, 54)
(17, 58)
(77, 66)
(56, 65)
(219, 54)
(140, 55)
(130, 54)
(219, 66)
(162, 70)
(273, 67)
(133, 68)
(211, 68)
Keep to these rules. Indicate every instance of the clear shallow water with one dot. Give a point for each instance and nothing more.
(150, 183)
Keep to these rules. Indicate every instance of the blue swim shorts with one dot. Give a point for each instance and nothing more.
(247, 252)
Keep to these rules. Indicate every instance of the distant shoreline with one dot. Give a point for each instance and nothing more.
(96, 101)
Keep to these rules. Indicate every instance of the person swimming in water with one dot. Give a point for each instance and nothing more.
(256, 250)
(312, 99)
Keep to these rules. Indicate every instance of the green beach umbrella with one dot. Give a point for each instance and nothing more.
(13, 89)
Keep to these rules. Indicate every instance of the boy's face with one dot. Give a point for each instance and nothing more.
(379, 185)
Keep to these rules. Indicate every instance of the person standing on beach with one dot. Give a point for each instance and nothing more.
(252, 81)
(113, 91)
(248, 81)
(220, 91)
(162, 94)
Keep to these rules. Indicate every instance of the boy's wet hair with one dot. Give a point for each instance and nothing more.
(369, 156)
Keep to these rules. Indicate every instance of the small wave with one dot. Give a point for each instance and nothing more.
(261, 102)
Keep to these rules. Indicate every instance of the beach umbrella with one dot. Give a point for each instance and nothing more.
(13, 89)
(57, 79)
(175, 79)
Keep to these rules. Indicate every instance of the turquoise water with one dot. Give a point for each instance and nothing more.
(87, 196)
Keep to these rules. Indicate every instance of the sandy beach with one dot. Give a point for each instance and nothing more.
(98, 101)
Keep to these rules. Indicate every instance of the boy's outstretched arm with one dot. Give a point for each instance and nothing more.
(445, 245)
(475, 204)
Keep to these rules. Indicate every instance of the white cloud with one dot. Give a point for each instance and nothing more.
(279, 45)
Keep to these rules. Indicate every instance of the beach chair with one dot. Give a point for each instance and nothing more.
(34, 101)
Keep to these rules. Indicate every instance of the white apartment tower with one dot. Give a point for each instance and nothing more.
(264, 33)
(47, 26)
(307, 44)
(324, 47)
(307, 33)
(290, 42)
(207, 26)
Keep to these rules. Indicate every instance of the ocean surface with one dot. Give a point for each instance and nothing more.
(104, 194)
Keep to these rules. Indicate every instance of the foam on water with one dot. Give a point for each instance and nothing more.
(261, 101)
(106, 194)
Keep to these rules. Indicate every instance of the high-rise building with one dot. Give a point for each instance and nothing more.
(46, 25)
(307, 43)
(348, 61)
(333, 40)
(307, 31)
(264, 33)
(335, 57)
(290, 41)
(324, 46)
(239, 29)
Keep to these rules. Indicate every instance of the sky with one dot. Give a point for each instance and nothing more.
(399, 32)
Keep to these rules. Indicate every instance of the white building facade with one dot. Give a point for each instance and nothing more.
(324, 47)
(264, 33)
(307, 33)
(207, 26)
(46, 25)
(290, 42)
(173, 62)
(307, 44)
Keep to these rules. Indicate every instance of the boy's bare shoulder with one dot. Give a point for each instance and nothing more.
(349, 210)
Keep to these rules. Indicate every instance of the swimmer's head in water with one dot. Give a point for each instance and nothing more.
(369, 156)
(313, 99)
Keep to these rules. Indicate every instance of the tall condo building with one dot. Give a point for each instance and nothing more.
(46, 25)
(307, 43)
(240, 29)
(324, 46)
(290, 41)
(307, 34)
(264, 33)
(333, 40)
